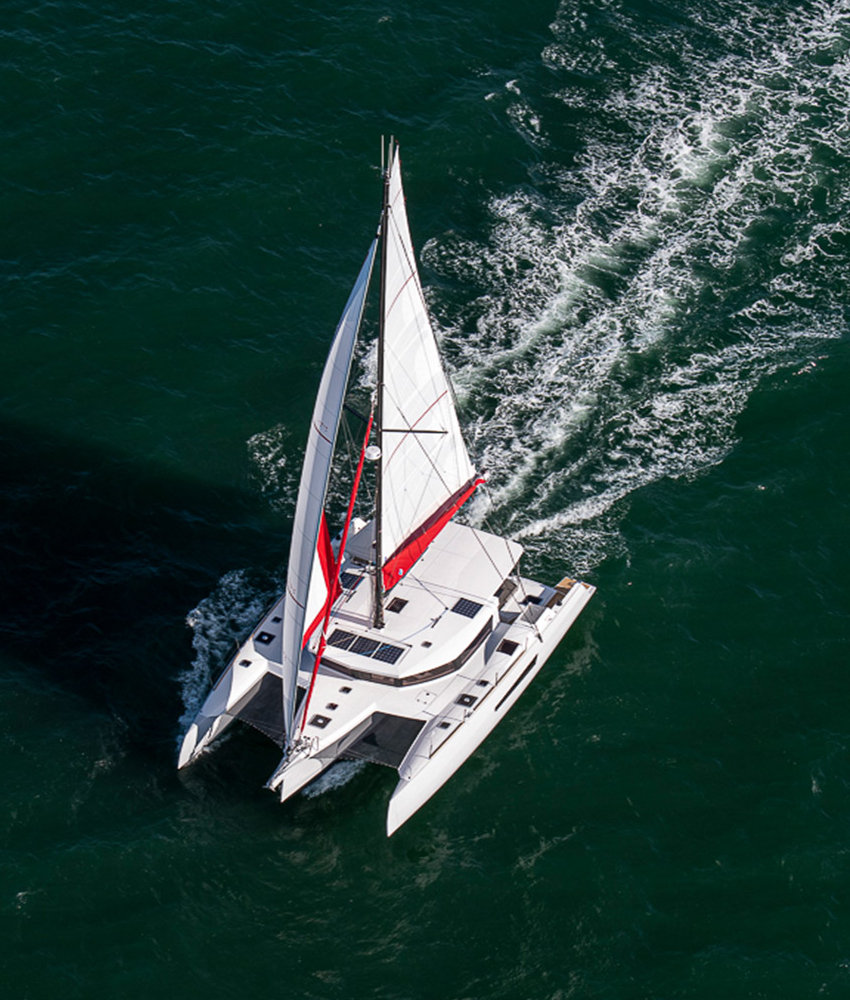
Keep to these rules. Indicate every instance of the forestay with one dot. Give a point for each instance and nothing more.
(426, 470)
(307, 578)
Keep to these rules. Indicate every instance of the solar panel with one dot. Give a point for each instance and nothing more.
(364, 646)
(387, 653)
(341, 639)
(469, 609)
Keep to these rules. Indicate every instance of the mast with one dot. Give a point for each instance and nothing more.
(378, 613)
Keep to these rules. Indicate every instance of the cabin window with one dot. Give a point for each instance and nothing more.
(516, 684)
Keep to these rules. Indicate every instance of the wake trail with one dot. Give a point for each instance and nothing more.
(633, 302)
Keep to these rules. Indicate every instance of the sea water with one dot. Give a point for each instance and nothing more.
(632, 220)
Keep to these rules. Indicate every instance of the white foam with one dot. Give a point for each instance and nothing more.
(218, 621)
(601, 343)
(273, 473)
(336, 776)
(624, 313)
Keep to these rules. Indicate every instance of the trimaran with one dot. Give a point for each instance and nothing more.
(406, 639)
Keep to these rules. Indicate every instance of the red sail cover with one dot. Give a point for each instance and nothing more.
(324, 561)
(406, 554)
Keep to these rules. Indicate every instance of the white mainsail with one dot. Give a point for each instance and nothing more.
(425, 466)
(306, 580)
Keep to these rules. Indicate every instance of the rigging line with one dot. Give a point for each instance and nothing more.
(355, 413)
(445, 485)
(412, 266)
(348, 444)
(425, 586)
(335, 573)
(378, 596)
(390, 223)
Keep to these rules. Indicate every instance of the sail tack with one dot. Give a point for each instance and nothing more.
(307, 578)
(424, 462)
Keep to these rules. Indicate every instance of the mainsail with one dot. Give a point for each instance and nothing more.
(307, 581)
(425, 468)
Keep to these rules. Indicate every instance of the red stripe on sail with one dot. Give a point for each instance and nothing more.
(412, 548)
(326, 561)
(335, 586)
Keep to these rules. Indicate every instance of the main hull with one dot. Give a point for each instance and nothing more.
(468, 640)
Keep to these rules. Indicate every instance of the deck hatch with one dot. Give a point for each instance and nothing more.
(467, 608)
(349, 580)
(396, 605)
(320, 721)
(467, 700)
(263, 637)
(507, 646)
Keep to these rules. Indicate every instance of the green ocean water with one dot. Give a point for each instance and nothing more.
(632, 222)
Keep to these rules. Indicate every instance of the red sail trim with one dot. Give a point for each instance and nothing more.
(414, 545)
(336, 566)
(327, 563)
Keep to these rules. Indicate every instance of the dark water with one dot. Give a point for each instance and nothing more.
(633, 225)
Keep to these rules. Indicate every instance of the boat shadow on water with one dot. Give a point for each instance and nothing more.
(102, 556)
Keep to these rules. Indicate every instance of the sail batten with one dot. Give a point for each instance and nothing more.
(308, 581)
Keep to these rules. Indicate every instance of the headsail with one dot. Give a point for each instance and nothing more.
(425, 468)
(306, 581)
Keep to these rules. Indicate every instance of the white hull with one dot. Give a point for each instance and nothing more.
(408, 647)
(418, 784)
(425, 726)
